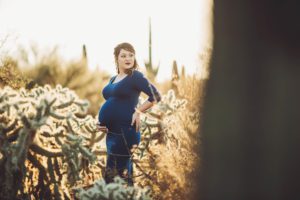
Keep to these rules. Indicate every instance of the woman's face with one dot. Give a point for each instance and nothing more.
(125, 60)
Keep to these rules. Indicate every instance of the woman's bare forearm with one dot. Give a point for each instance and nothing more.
(145, 106)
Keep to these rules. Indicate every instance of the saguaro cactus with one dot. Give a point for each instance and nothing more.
(151, 70)
(175, 77)
(84, 56)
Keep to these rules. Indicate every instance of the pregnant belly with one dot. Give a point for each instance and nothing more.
(114, 110)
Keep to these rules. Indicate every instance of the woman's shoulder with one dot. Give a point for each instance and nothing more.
(137, 74)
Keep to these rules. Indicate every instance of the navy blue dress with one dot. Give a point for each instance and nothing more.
(116, 114)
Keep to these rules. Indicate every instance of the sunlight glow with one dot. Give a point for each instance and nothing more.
(181, 29)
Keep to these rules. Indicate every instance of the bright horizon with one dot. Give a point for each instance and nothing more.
(181, 30)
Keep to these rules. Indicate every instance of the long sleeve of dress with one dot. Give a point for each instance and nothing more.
(143, 84)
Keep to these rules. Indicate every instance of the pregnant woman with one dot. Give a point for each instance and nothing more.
(119, 117)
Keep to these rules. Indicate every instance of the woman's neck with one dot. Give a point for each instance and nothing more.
(122, 73)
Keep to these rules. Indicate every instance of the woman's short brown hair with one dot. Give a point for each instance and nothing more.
(128, 47)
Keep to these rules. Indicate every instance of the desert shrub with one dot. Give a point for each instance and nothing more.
(48, 67)
(10, 75)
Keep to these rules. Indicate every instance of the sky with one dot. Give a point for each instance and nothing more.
(181, 29)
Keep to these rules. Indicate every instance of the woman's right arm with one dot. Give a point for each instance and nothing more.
(141, 83)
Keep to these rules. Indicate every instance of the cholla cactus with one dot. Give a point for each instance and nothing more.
(158, 120)
(165, 157)
(42, 129)
(116, 190)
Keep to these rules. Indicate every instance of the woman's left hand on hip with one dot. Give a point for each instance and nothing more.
(136, 119)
